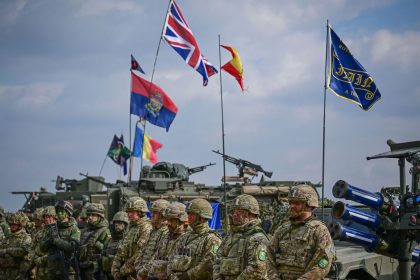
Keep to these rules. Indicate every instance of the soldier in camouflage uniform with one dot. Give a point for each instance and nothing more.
(134, 239)
(1, 234)
(195, 250)
(159, 230)
(61, 247)
(301, 248)
(92, 240)
(119, 226)
(37, 257)
(243, 252)
(14, 249)
(4, 226)
(177, 219)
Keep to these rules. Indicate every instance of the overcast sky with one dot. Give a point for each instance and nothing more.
(65, 88)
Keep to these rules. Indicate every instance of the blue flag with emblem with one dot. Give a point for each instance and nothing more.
(347, 78)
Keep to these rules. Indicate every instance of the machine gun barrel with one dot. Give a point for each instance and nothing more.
(376, 201)
(350, 213)
(108, 185)
(199, 168)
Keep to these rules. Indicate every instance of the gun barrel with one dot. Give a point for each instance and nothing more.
(340, 232)
(347, 212)
(342, 189)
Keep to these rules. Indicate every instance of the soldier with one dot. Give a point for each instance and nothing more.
(1, 234)
(301, 248)
(92, 240)
(61, 239)
(160, 228)
(39, 258)
(134, 240)
(14, 249)
(243, 252)
(38, 222)
(195, 250)
(177, 219)
(119, 226)
(4, 226)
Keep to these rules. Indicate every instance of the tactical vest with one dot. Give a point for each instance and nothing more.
(155, 239)
(38, 257)
(190, 251)
(233, 252)
(293, 250)
(87, 248)
(19, 241)
(165, 249)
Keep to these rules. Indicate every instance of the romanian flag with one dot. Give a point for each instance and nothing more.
(234, 66)
(150, 102)
(145, 145)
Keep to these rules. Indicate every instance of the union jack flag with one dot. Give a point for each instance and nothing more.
(179, 35)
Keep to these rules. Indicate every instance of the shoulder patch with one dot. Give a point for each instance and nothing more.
(323, 263)
(262, 255)
(214, 248)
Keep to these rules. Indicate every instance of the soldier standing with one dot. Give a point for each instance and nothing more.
(119, 226)
(61, 238)
(4, 226)
(176, 218)
(159, 230)
(301, 248)
(14, 249)
(195, 250)
(92, 240)
(134, 240)
(243, 252)
(39, 258)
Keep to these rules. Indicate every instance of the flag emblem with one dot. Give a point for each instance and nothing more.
(179, 36)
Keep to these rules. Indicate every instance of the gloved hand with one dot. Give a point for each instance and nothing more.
(182, 275)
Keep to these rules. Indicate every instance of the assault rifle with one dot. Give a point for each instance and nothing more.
(54, 234)
(199, 168)
(244, 166)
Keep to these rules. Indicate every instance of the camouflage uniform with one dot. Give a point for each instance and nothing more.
(92, 241)
(195, 250)
(4, 226)
(1, 234)
(242, 254)
(111, 245)
(133, 242)
(14, 249)
(301, 249)
(158, 265)
(64, 246)
(37, 257)
(159, 230)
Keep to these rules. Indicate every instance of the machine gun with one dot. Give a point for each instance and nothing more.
(199, 168)
(392, 227)
(107, 185)
(244, 166)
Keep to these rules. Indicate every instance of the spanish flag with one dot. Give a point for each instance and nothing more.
(144, 142)
(234, 66)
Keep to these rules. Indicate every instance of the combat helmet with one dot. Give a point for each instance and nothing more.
(121, 216)
(136, 203)
(176, 210)
(96, 208)
(49, 211)
(304, 193)
(246, 202)
(159, 205)
(67, 206)
(18, 218)
(201, 207)
(38, 214)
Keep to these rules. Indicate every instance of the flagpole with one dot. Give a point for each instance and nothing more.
(223, 138)
(323, 123)
(151, 81)
(103, 163)
(131, 148)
